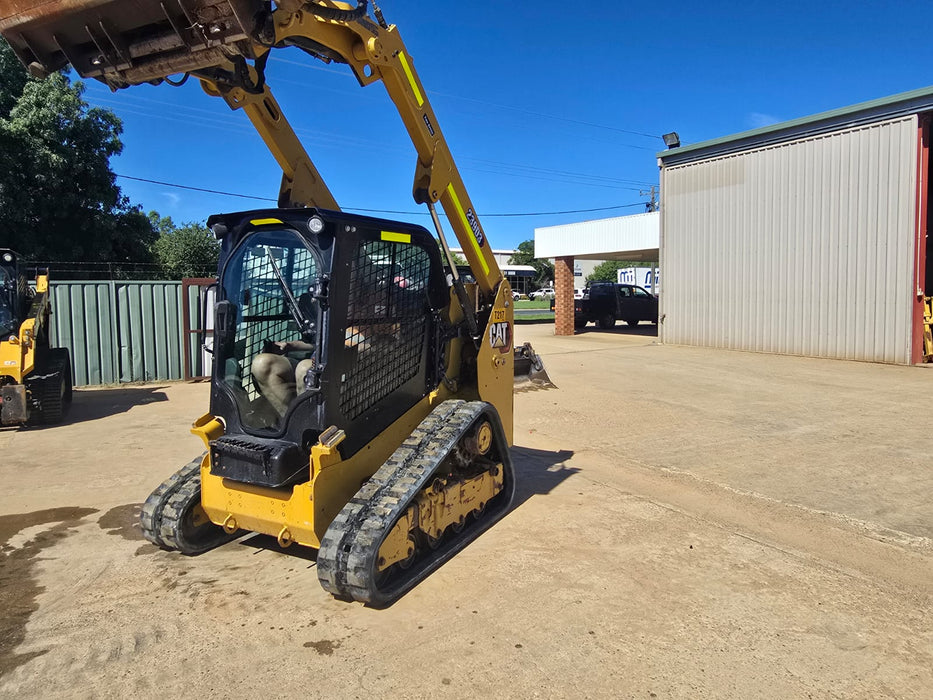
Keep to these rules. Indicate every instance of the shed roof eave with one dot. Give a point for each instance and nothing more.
(902, 104)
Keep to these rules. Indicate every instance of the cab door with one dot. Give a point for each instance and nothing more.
(644, 305)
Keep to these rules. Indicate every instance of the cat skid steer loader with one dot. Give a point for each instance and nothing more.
(35, 379)
(361, 398)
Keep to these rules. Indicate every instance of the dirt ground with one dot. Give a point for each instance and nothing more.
(689, 523)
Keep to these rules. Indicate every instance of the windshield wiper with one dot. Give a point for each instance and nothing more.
(305, 325)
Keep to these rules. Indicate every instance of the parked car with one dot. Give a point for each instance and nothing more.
(608, 302)
(516, 295)
(543, 293)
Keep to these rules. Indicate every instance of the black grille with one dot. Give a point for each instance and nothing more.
(265, 312)
(388, 313)
(259, 461)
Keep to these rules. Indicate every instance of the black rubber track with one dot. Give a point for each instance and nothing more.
(150, 518)
(349, 549)
(50, 386)
(177, 528)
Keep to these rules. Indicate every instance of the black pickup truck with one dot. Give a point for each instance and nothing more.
(604, 303)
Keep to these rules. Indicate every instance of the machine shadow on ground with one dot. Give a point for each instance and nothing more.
(93, 404)
(261, 542)
(537, 472)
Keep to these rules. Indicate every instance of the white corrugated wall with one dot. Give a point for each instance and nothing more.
(802, 248)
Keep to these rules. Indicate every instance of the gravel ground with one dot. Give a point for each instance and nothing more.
(689, 523)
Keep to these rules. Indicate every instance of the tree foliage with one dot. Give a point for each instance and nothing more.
(189, 250)
(59, 200)
(525, 255)
(458, 259)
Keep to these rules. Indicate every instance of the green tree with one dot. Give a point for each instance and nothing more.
(58, 197)
(607, 271)
(525, 255)
(12, 79)
(458, 259)
(189, 250)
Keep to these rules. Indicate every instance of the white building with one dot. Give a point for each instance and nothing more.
(804, 238)
(520, 277)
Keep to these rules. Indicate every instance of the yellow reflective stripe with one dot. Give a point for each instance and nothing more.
(466, 225)
(264, 222)
(396, 237)
(411, 77)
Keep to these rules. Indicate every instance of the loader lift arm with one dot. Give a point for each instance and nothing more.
(125, 44)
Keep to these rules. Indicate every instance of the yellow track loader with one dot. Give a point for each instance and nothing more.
(361, 398)
(35, 379)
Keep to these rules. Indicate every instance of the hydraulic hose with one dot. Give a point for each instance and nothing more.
(336, 14)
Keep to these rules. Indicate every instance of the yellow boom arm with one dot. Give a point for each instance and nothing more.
(124, 43)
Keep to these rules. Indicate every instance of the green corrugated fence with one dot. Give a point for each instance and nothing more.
(123, 331)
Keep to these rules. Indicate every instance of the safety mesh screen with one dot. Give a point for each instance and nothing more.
(265, 313)
(387, 318)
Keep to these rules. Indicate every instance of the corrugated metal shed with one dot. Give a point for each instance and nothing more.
(625, 237)
(796, 239)
(119, 331)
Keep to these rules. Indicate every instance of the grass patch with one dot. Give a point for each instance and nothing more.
(529, 304)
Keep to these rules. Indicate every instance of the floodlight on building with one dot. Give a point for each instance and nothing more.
(671, 140)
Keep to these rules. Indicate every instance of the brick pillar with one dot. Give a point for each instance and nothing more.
(563, 301)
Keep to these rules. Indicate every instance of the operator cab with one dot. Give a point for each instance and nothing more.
(322, 318)
(12, 285)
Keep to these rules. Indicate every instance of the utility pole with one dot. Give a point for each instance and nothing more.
(653, 204)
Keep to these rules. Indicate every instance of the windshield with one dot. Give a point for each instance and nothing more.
(7, 290)
(266, 364)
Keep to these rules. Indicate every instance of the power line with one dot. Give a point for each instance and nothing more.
(493, 104)
(551, 116)
(330, 139)
(195, 189)
(322, 139)
(378, 211)
(572, 211)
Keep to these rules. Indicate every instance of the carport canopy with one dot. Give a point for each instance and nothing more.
(635, 238)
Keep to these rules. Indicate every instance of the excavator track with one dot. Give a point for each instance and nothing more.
(50, 388)
(350, 565)
(171, 518)
(150, 517)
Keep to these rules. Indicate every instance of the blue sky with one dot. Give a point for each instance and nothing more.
(547, 106)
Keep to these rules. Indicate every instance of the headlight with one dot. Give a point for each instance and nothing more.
(315, 224)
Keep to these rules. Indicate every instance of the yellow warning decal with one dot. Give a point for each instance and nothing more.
(265, 222)
(411, 77)
(396, 237)
(466, 224)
